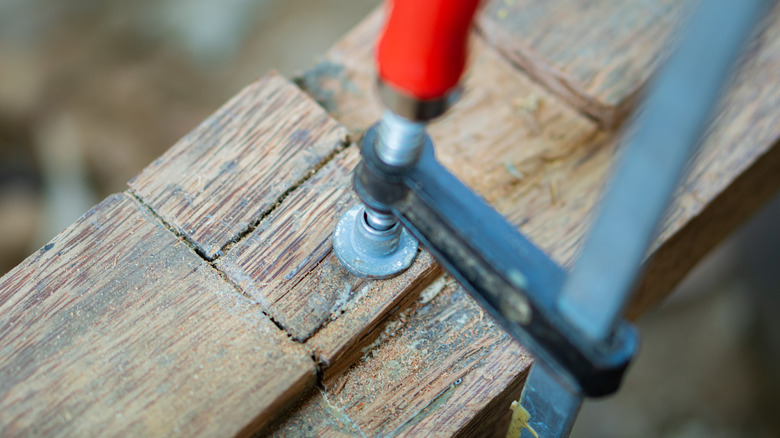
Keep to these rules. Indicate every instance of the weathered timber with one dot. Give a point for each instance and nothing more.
(596, 54)
(441, 367)
(272, 160)
(550, 194)
(215, 183)
(117, 327)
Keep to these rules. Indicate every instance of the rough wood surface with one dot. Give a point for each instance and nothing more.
(216, 182)
(259, 187)
(596, 54)
(440, 367)
(117, 327)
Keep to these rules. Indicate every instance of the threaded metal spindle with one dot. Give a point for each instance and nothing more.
(400, 139)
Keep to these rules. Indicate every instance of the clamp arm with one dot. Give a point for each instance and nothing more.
(510, 277)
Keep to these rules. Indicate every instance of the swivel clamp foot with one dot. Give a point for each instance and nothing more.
(373, 245)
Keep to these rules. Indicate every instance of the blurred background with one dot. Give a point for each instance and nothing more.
(709, 359)
(91, 91)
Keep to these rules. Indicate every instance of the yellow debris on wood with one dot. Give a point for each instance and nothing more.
(519, 422)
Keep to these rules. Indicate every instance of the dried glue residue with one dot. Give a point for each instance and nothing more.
(519, 422)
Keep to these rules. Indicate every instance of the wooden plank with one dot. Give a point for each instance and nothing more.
(218, 181)
(596, 54)
(442, 365)
(117, 327)
(548, 187)
(550, 194)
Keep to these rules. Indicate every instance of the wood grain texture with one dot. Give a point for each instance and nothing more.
(287, 264)
(271, 159)
(434, 370)
(117, 327)
(313, 416)
(341, 341)
(596, 54)
(216, 182)
(273, 263)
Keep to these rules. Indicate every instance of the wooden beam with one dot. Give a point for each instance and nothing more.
(596, 54)
(256, 191)
(117, 327)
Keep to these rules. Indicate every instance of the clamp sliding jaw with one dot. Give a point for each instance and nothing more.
(510, 277)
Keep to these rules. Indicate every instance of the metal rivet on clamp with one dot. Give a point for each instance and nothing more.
(373, 244)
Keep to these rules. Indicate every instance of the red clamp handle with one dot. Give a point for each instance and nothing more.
(422, 50)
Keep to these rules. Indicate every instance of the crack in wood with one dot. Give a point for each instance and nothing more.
(346, 143)
(210, 263)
